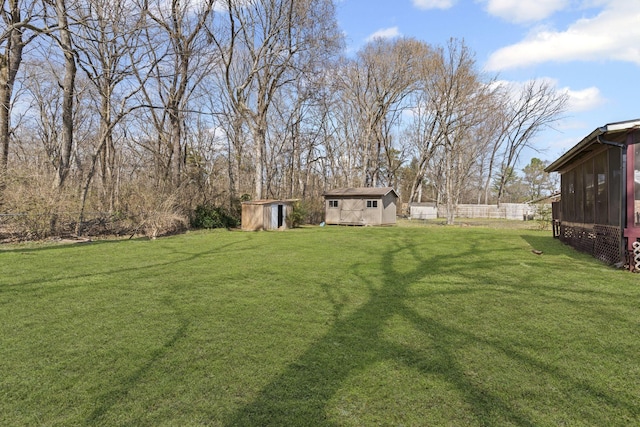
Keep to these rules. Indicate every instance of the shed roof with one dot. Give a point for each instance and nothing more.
(423, 204)
(555, 197)
(268, 201)
(362, 191)
(615, 132)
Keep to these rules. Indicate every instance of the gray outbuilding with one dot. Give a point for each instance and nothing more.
(266, 214)
(361, 206)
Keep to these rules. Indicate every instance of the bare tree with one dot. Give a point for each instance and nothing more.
(215, 99)
(16, 32)
(176, 66)
(424, 137)
(63, 37)
(107, 35)
(341, 139)
(491, 129)
(535, 107)
(45, 118)
(376, 82)
(457, 97)
(265, 45)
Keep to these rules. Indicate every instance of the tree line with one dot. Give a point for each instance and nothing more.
(145, 109)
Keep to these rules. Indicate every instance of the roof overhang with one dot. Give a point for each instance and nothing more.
(269, 201)
(360, 192)
(613, 132)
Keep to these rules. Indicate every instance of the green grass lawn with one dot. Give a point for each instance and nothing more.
(333, 326)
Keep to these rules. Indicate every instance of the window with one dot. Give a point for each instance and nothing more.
(372, 203)
(333, 203)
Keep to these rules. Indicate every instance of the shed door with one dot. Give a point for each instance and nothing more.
(277, 216)
(351, 211)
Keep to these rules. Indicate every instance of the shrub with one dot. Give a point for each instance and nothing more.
(544, 217)
(314, 210)
(207, 216)
(35, 209)
(298, 216)
(160, 217)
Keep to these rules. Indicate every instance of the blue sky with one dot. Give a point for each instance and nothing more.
(589, 49)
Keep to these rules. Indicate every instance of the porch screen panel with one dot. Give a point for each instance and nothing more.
(636, 184)
(615, 182)
(589, 192)
(568, 195)
(579, 213)
(601, 189)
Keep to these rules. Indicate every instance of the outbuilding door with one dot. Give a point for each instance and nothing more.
(351, 212)
(277, 216)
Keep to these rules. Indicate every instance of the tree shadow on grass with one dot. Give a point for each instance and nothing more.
(120, 390)
(554, 247)
(35, 247)
(302, 393)
(62, 277)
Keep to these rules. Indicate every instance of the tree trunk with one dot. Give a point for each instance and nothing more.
(6, 91)
(85, 188)
(107, 154)
(449, 189)
(259, 141)
(175, 149)
(68, 86)
(10, 62)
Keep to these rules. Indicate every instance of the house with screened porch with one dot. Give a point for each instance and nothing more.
(599, 208)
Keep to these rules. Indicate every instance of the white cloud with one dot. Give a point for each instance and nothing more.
(611, 35)
(583, 100)
(434, 4)
(577, 100)
(385, 33)
(513, 89)
(521, 11)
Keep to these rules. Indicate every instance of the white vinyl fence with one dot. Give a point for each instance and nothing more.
(513, 211)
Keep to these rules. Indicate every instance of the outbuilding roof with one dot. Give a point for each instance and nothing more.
(268, 201)
(362, 191)
(614, 132)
